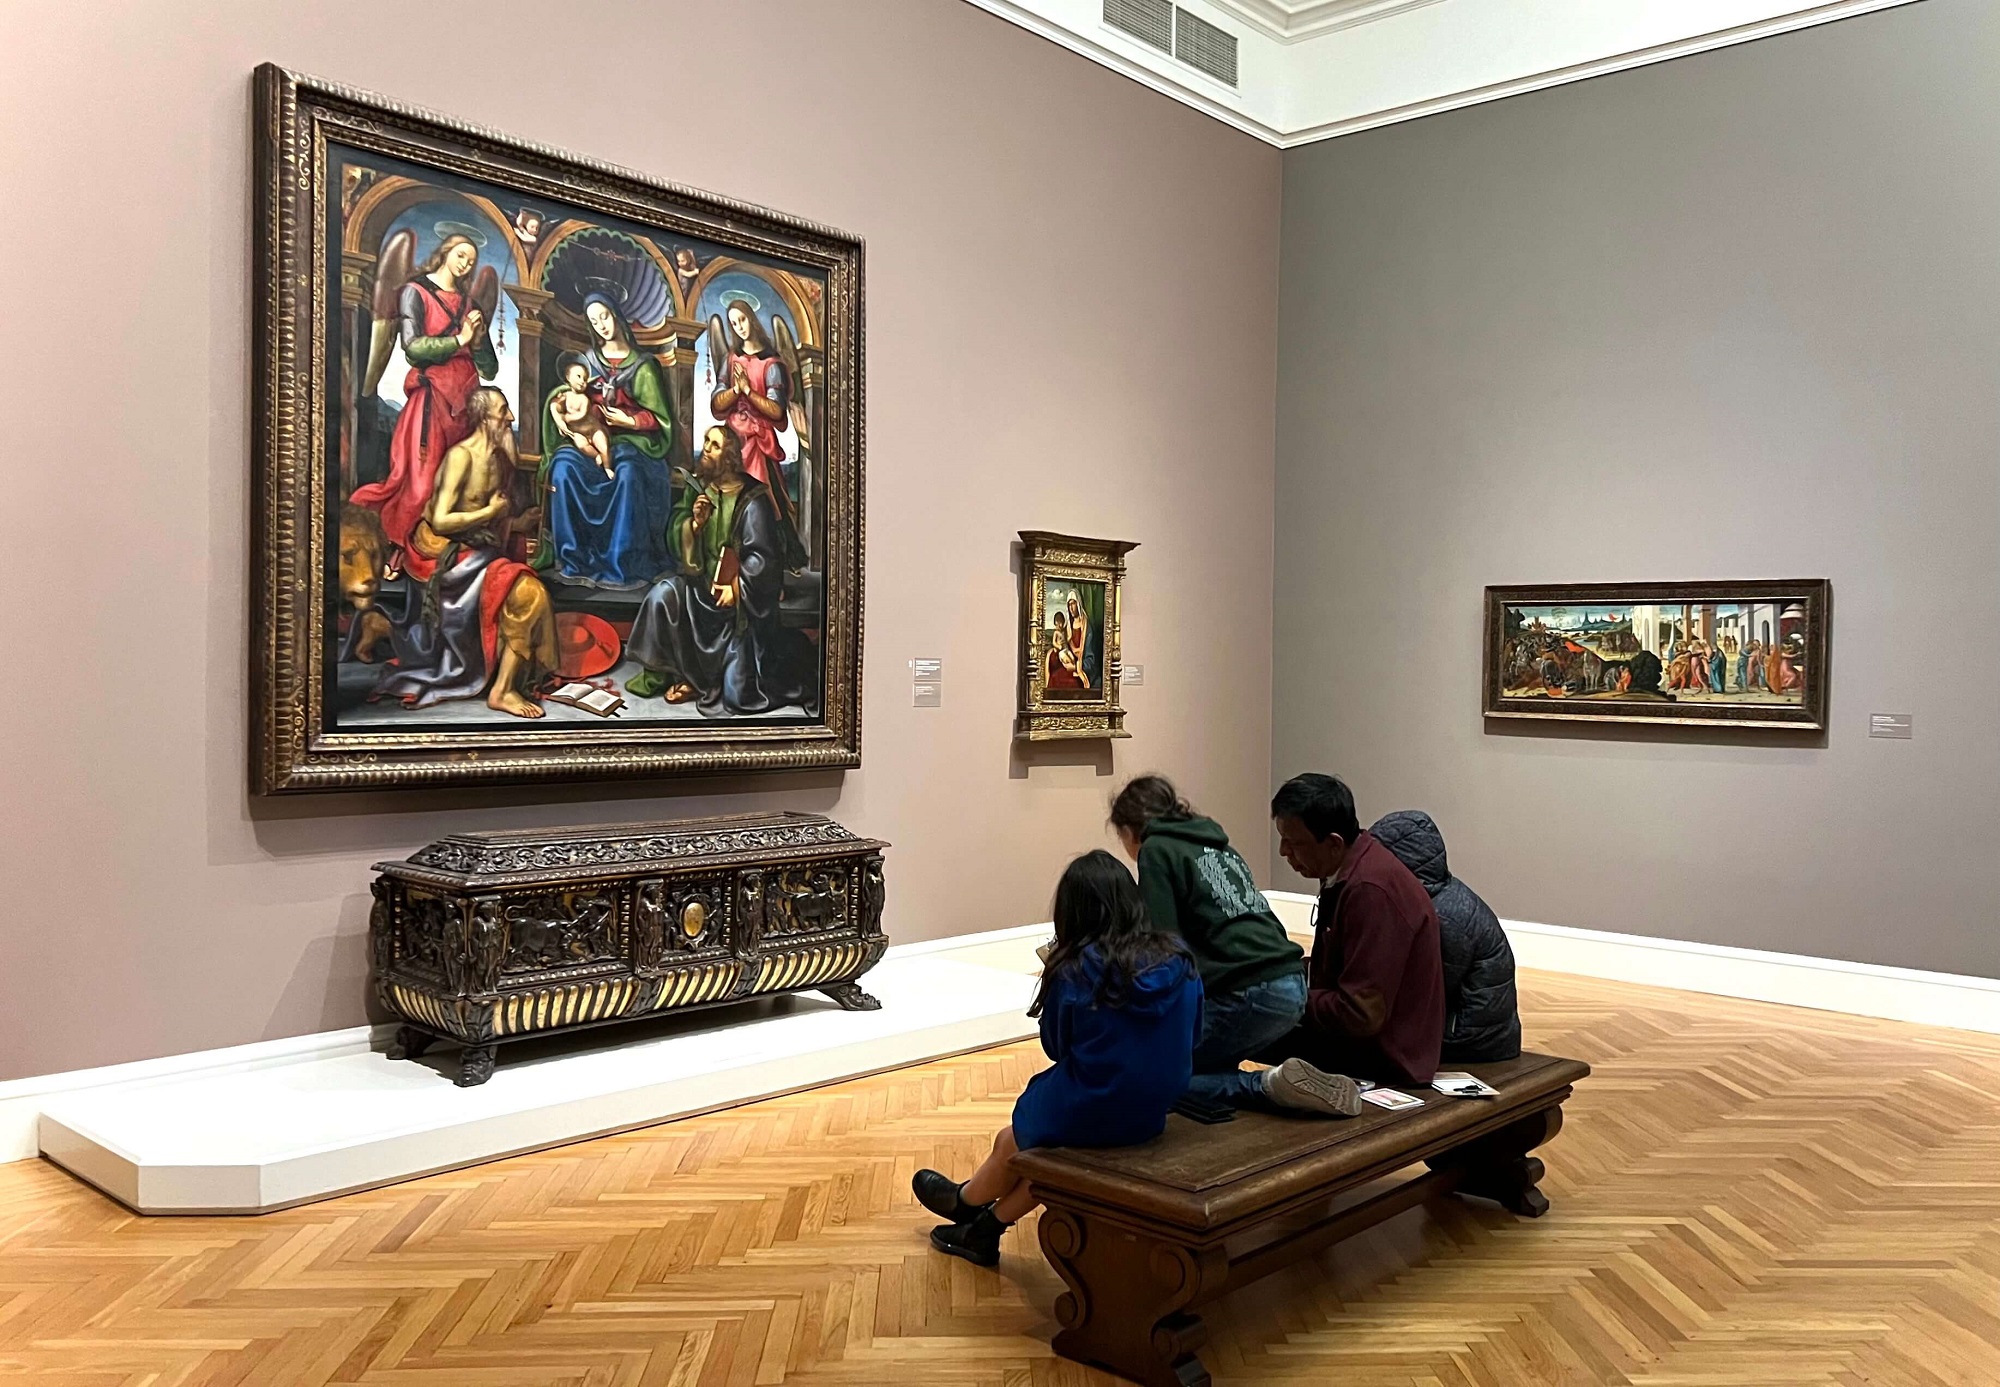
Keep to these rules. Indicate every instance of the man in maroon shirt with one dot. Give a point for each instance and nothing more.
(1375, 983)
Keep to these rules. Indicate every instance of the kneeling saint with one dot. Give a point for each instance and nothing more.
(710, 633)
(486, 626)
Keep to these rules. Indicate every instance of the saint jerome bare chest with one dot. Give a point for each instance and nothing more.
(484, 938)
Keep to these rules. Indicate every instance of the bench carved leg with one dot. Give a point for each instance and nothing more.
(1127, 1307)
(1498, 1167)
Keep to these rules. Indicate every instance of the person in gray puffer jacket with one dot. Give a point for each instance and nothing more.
(1482, 1020)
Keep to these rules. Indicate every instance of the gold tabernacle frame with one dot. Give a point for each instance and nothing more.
(1088, 572)
(298, 742)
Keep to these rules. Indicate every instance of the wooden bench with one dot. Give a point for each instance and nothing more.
(1143, 1235)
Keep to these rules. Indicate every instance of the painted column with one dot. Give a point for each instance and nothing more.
(528, 355)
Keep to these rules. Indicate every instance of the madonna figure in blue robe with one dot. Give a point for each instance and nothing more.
(609, 529)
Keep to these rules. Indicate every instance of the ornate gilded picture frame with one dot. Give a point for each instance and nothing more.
(1745, 654)
(1070, 622)
(558, 466)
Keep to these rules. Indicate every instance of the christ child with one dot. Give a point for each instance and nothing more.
(1064, 667)
(578, 414)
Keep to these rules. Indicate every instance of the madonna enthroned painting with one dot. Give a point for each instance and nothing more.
(560, 467)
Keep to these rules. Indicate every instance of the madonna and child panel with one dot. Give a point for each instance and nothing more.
(1751, 653)
(1070, 607)
(588, 462)
(1073, 664)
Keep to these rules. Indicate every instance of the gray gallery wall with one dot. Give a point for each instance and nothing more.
(1733, 316)
(1071, 284)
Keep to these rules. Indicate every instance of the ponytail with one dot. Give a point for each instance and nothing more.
(1145, 799)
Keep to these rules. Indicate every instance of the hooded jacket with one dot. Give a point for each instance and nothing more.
(1118, 1069)
(1482, 1019)
(1199, 887)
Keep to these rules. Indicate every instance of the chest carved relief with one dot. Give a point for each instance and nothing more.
(807, 900)
(560, 929)
(484, 938)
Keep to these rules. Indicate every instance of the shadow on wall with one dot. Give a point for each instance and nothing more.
(312, 825)
(1640, 733)
(1024, 757)
(331, 972)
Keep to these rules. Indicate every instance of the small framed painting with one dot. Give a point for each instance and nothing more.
(1748, 654)
(559, 466)
(1069, 637)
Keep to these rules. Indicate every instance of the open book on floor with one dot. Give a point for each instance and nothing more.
(577, 694)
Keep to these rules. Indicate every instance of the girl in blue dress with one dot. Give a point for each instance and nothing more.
(1120, 1007)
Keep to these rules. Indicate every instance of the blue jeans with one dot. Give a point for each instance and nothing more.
(1237, 1025)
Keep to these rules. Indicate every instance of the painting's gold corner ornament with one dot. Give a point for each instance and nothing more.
(1071, 609)
(483, 938)
(558, 467)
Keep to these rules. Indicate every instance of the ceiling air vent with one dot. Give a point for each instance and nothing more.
(1204, 47)
(1149, 21)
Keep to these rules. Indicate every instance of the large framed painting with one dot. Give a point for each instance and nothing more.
(559, 467)
(1750, 654)
(1070, 603)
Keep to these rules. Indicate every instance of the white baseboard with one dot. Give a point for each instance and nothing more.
(1755, 975)
(1797, 980)
(22, 1100)
(952, 943)
(1294, 910)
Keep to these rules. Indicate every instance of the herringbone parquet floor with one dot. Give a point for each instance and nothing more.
(1743, 1195)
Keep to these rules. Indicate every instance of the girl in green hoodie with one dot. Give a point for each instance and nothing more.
(1252, 974)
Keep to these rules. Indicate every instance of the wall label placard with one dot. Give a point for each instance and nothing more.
(926, 682)
(1896, 726)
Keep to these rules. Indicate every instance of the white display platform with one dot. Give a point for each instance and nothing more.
(260, 1139)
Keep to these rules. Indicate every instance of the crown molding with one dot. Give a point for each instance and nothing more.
(1314, 70)
(1805, 18)
(1289, 23)
(1108, 48)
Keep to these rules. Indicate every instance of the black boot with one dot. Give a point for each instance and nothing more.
(943, 1196)
(978, 1240)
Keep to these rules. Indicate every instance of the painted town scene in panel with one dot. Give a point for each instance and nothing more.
(1704, 653)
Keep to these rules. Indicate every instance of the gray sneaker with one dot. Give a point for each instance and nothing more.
(1296, 1084)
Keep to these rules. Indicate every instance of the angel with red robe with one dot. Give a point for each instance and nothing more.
(754, 399)
(441, 315)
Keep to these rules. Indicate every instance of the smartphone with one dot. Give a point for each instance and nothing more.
(1204, 1110)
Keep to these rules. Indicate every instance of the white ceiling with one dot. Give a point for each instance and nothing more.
(1313, 69)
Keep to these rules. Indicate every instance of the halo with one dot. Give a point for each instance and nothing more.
(742, 296)
(609, 288)
(446, 230)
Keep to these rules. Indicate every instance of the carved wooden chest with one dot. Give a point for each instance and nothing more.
(484, 938)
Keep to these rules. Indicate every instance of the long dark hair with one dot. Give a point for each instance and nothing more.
(1145, 799)
(1099, 909)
